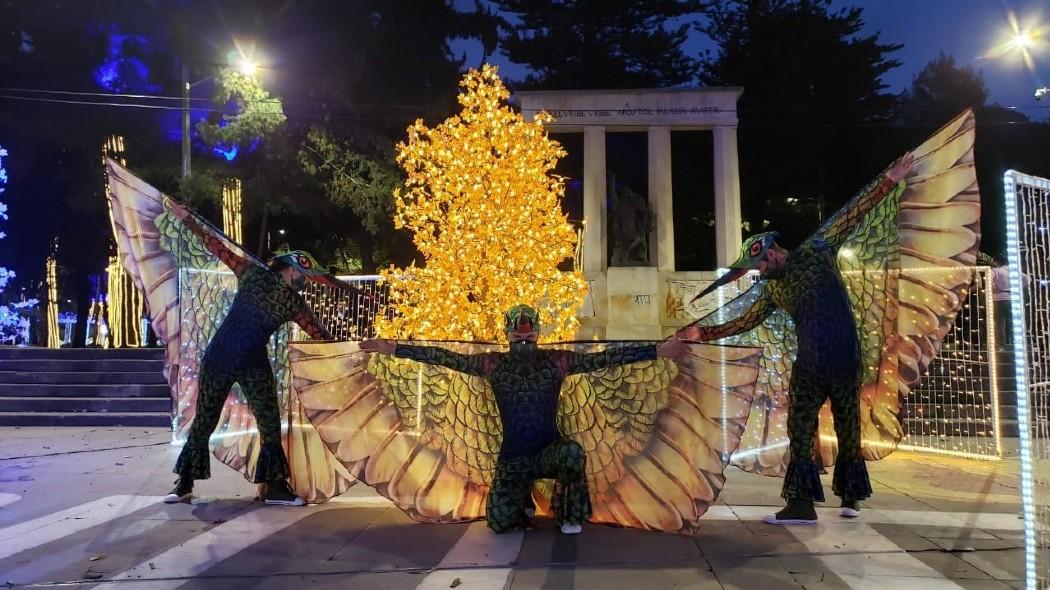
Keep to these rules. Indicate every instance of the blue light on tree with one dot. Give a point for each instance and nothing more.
(123, 69)
(228, 153)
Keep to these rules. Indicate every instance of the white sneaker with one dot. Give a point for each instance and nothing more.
(181, 493)
(849, 509)
(571, 529)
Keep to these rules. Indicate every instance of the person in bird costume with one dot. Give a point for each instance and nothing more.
(807, 284)
(527, 384)
(267, 297)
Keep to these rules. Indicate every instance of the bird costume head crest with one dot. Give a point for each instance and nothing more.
(752, 252)
(306, 264)
(522, 319)
(754, 249)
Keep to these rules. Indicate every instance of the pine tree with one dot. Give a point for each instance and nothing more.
(601, 44)
(486, 215)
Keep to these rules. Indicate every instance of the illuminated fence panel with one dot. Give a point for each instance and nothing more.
(1028, 247)
(955, 407)
(348, 316)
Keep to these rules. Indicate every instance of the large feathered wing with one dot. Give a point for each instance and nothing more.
(657, 434)
(425, 437)
(188, 292)
(763, 446)
(907, 264)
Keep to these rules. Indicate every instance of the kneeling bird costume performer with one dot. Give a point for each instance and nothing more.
(861, 306)
(632, 434)
(267, 297)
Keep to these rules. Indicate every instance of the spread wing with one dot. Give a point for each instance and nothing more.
(171, 266)
(423, 436)
(658, 434)
(907, 264)
(428, 438)
(763, 446)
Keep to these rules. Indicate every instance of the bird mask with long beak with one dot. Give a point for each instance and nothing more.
(751, 254)
(310, 269)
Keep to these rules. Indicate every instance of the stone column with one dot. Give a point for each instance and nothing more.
(727, 196)
(596, 234)
(661, 241)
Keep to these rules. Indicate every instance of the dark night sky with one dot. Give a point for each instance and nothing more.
(966, 29)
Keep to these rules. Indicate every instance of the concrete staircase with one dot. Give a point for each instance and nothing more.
(83, 387)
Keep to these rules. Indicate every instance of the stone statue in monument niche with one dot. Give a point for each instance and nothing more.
(630, 223)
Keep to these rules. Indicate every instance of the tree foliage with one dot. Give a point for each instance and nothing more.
(257, 113)
(485, 212)
(813, 94)
(601, 43)
(351, 178)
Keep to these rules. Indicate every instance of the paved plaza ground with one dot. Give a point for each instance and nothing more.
(80, 507)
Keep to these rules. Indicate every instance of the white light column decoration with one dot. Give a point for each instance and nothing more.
(1014, 233)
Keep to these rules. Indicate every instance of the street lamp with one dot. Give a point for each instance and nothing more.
(244, 65)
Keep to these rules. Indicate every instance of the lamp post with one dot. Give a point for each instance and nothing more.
(245, 66)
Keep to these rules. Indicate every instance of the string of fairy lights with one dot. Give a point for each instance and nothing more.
(54, 337)
(232, 204)
(1028, 247)
(954, 408)
(124, 312)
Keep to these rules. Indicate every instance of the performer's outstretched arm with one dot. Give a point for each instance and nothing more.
(755, 315)
(235, 262)
(478, 365)
(309, 323)
(571, 363)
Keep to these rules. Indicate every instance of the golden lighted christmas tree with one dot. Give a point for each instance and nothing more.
(486, 212)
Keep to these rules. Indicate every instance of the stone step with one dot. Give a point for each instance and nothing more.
(69, 405)
(31, 353)
(159, 419)
(77, 390)
(80, 378)
(83, 366)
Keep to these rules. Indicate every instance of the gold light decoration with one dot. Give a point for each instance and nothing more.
(231, 209)
(54, 339)
(486, 213)
(124, 309)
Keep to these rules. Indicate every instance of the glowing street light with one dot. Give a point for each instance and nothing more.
(247, 67)
(1021, 40)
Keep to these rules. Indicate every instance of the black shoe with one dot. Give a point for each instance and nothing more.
(850, 509)
(796, 512)
(279, 494)
(183, 491)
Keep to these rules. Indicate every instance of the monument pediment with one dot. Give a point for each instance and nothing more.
(681, 108)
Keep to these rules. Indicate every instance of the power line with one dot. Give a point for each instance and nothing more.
(394, 118)
(423, 106)
(181, 98)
